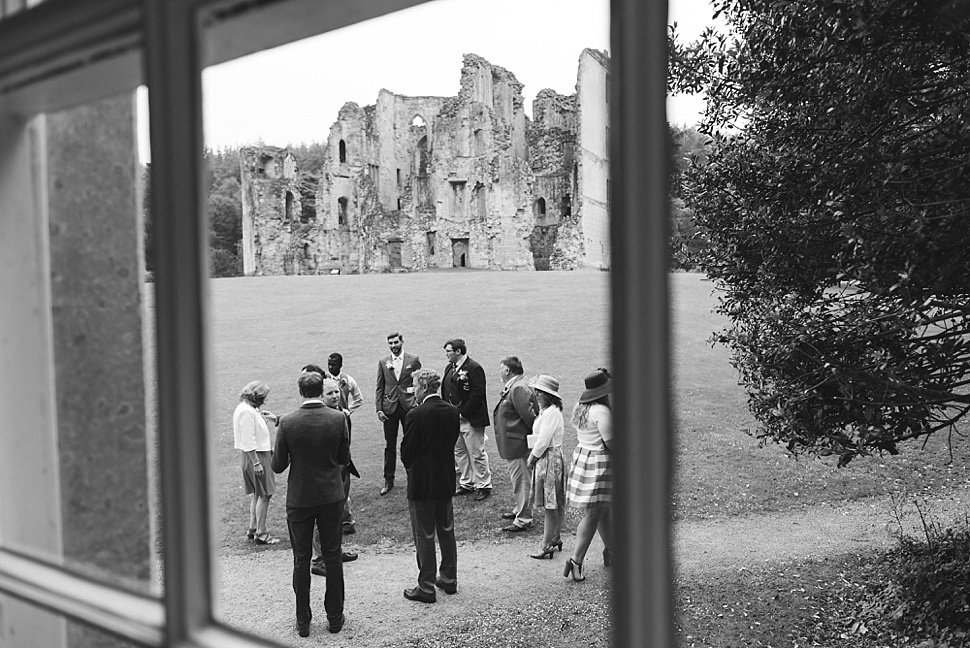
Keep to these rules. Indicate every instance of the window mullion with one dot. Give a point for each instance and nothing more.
(641, 341)
(175, 106)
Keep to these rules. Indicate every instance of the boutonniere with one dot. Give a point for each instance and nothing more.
(390, 365)
(462, 375)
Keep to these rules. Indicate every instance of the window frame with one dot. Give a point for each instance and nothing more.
(65, 52)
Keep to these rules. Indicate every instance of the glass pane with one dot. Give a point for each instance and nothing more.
(378, 178)
(91, 411)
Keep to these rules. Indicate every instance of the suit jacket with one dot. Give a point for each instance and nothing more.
(428, 449)
(314, 442)
(465, 389)
(513, 417)
(392, 389)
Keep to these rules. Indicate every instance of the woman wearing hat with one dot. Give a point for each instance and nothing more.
(546, 461)
(591, 475)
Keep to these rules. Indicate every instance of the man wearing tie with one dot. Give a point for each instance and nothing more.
(394, 398)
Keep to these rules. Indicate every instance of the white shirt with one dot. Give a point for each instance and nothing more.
(548, 430)
(249, 429)
(397, 362)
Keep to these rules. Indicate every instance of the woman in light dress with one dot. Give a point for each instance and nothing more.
(547, 465)
(591, 476)
(256, 452)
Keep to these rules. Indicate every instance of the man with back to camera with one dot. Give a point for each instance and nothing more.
(464, 387)
(394, 397)
(331, 398)
(314, 442)
(428, 453)
(513, 417)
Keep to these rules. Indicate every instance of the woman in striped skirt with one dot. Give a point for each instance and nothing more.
(591, 475)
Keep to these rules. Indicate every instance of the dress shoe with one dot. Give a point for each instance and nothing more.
(482, 494)
(318, 569)
(448, 588)
(514, 528)
(335, 626)
(348, 556)
(303, 629)
(349, 529)
(388, 485)
(416, 594)
(461, 490)
(508, 516)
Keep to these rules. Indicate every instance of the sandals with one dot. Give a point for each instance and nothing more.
(266, 539)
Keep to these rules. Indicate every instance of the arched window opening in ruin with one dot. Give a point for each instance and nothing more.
(418, 121)
(399, 204)
(566, 206)
(289, 206)
(431, 241)
(540, 209)
(422, 157)
(342, 148)
(306, 250)
(479, 142)
(341, 211)
(480, 208)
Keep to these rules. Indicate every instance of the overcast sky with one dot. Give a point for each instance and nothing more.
(291, 94)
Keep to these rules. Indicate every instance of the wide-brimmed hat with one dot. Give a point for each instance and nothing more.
(547, 384)
(598, 385)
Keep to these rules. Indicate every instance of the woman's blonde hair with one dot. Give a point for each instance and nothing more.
(581, 411)
(254, 393)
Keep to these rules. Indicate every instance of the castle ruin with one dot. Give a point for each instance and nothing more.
(412, 183)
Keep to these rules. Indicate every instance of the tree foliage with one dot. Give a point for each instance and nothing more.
(835, 201)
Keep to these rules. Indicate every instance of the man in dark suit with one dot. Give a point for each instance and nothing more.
(513, 418)
(427, 451)
(394, 397)
(464, 387)
(314, 442)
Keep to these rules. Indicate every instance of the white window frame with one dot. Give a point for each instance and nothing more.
(58, 54)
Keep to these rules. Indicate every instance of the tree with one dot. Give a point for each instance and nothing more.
(835, 200)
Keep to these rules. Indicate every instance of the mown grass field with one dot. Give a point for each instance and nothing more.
(558, 323)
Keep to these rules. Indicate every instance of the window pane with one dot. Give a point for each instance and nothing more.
(90, 413)
(437, 161)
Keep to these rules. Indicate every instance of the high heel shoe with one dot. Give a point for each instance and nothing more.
(545, 552)
(607, 557)
(575, 569)
(557, 544)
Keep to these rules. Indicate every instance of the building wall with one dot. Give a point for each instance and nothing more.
(594, 159)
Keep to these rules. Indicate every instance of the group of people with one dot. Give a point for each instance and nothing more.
(443, 418)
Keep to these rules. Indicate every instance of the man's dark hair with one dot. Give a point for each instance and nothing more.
(311, 384)
(335, 359)
(457, 345)
(313, 368)
(394, 335)
(514, 365)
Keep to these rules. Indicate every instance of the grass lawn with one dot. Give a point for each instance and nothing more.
(558, 323)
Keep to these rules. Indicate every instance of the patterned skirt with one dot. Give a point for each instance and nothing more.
(549, 480)
(590, 478)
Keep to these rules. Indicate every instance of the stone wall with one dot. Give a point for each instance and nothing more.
(413, 183)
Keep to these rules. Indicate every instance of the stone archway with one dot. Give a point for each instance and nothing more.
(459, 253)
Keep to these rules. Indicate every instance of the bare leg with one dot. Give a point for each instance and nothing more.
(252, 511)
(550, 527)
(262, 506)
(605, 528)
(559, 520)
(585, 531)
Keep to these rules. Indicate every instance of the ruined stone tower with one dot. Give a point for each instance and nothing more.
(412, 183)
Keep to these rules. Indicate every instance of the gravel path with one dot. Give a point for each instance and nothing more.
(378, 614)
